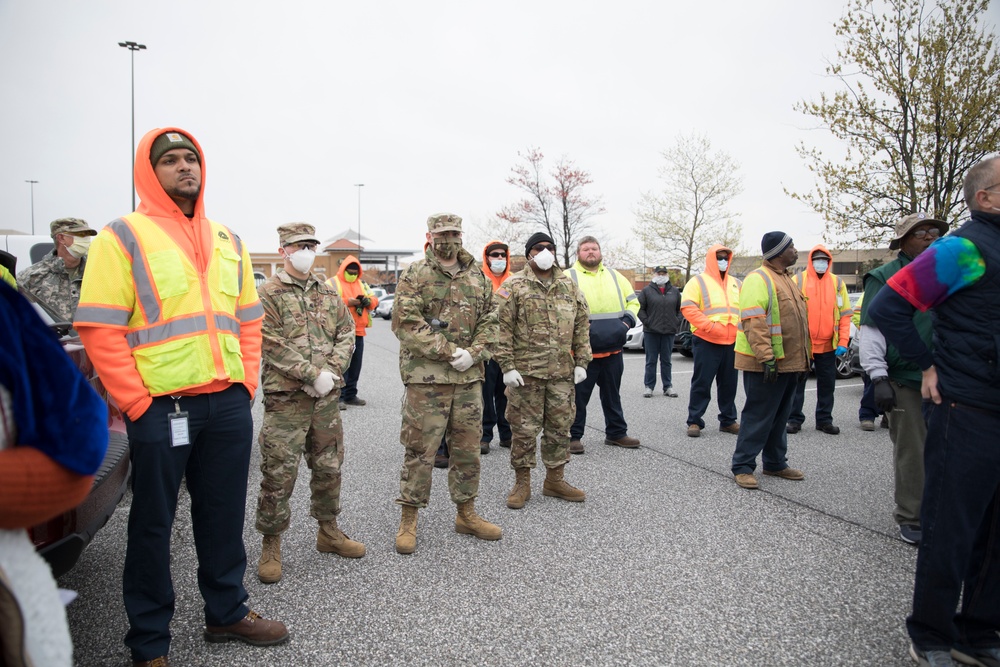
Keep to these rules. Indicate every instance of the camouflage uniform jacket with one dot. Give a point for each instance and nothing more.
(305, 332)
(52, 284)
(436, 313)
(544, 329)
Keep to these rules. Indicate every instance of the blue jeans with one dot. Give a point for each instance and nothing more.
(215, 468)
(658, 346)
(605, 372)
(713, 362)
(825, 365)
(762, 426)
(960, 520)
(353, 371)
(494, 403)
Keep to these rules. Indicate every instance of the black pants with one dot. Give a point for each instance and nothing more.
(494, 403)
(606, 373)
(353, 372)
(825, 365)
(215, 467)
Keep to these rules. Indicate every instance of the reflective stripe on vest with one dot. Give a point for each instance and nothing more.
(605, 316)
(768, 312)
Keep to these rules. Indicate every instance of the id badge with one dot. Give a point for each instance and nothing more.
(178, 422)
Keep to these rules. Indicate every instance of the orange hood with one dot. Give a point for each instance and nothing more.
(712, 265)
(350, 259)
(497, 280)
(155, 203)
(818, 249)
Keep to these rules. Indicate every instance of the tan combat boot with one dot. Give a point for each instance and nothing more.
(557, 487)
(406, 537)
(522, 489)
(467, 522)
(269, 566)
(330, 539)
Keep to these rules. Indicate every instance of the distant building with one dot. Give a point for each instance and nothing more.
(851, 264)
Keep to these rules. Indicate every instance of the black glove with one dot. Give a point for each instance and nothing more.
(365, 301)
(885, 395)
(770, 372)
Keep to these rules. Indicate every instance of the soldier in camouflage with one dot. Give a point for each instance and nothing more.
(444, 317)
(543, 348)
(308, 338)
(55, 280)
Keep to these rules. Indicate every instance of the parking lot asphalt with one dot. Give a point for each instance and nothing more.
(667, 562)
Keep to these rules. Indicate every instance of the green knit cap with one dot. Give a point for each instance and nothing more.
(167, 142)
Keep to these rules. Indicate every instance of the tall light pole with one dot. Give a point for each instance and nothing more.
(359, 186)
(133, 47)
(32, 186)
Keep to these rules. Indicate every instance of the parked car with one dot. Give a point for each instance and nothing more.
(682, 341)
(849, 364)
(384, 307)
(62, 539)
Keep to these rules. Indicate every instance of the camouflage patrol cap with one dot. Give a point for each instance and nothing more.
(444, 222)
(71, 226)
(296, 232)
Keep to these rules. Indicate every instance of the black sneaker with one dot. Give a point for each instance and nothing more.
(828, 428)
(909, 533)
(792, 428)
(484, 446)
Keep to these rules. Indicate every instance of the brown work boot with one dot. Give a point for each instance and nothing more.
(787, 473)
(467, 522)
(522, 489)
(694, 431)
(406, 537)
(155, 662)
(746, 481)
(575, 447)
(625, 441)
(330, 539)
(251, 629)
(556, 487)
(269, 566)
(733, 428)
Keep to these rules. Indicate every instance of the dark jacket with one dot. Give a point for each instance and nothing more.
(660, 312)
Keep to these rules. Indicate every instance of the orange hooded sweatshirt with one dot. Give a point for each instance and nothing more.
(497, 280)
(107, 346)
(693, 301)
(821, 302)
(353, 291)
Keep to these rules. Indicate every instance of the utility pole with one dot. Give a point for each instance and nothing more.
(32, 186)
(133, 47)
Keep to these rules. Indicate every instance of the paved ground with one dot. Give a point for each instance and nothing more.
(668, 562)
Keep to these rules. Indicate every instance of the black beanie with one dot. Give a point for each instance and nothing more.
(774, 243)
(535, 239)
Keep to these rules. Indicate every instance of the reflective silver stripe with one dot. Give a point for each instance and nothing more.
(572, 275)
(631, 297)
(239, 267)
(162, 332)
(775, 329)
(608, 316)
(227, 323)
(752, 312)
(140, 272)
(715, 311)
(250, 313)
(100, 315)
(688, 302)
(706, 298)
(769, 311)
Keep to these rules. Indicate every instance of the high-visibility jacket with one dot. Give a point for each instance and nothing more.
(828, 305)
(614, 306)
(7, 277)
(711, 302)
(759, 298)
(183, 333)
(362, 316)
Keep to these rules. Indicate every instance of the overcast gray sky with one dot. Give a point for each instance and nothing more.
(426, 103)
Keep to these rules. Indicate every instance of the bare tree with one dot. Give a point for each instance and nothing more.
(679, 223)
(919, 81)
(560, 206)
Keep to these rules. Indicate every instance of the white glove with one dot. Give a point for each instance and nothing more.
(513, 379)
(579, 374)
(461, 360)
(324, 383)
(308, 388)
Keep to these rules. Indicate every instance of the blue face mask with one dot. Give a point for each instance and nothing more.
(821, 265)
(723, 265)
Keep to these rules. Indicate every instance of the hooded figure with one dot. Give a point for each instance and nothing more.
(492, 263)
(360, 303)
(497, 269)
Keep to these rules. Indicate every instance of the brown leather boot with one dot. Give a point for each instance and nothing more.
(155, 662)
(330, 539)
(269, 566)
(556, 487)
(406, 537)
(252, 629)
(467, 522)
(522, 489)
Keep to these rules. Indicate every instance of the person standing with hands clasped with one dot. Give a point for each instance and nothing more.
(308, 336)
(360, 303)
(543, 349)
(660, 314)
(772, 350)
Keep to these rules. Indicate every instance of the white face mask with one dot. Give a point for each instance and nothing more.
(544, 260)
(80, 246)
(498, 265)
(661, 280)
(723, 264)
(302, 260)
(821, 265)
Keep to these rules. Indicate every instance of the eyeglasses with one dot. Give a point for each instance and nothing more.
(924, 233)
(544, 246)
(498, 254)
(304, 245)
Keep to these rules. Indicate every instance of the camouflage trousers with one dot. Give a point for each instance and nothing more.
(540, 406)
(295, 426)
(431, 411)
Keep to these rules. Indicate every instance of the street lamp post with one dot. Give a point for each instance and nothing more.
(133, 47)
(32, 186)
(359, 186)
